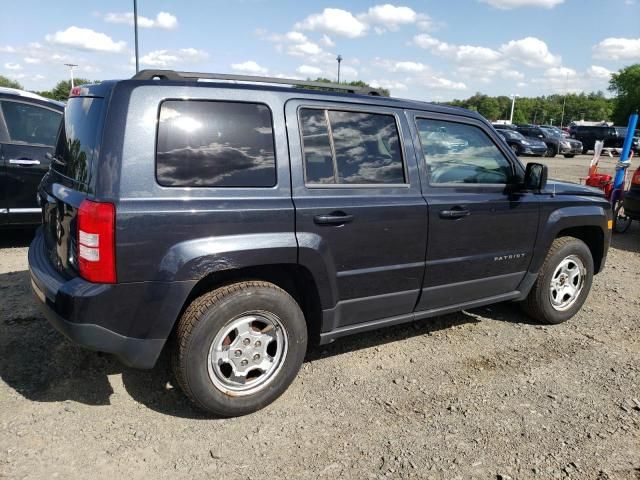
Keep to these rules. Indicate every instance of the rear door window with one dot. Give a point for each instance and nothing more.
(345, 147)
(205, 143)
(30, 124)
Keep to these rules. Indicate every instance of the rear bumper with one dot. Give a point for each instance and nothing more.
(632, 204)
(131, 320)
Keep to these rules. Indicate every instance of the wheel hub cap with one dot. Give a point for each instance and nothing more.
(247, 353)
(567, 283)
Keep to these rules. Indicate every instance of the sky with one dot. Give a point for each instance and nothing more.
(433, 50)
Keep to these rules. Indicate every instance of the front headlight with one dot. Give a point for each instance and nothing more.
(524, 142)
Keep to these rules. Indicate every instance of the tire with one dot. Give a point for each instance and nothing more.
(516, 150)
(539, 305)
(585, 150)
(621, 222)
(569, 155)
(253, 322)
(551, 151)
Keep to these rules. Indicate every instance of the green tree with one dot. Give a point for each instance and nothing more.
(7, 82)
(626, 85)
(63, 88)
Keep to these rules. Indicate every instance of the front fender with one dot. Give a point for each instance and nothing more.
(559, 219)
(194, 259)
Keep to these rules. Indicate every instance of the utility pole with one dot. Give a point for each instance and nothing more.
(339, 59)
(135, 31)
(71, 67)
(564, 101)
(513, 105)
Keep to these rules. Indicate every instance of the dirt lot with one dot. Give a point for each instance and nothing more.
(478, 394)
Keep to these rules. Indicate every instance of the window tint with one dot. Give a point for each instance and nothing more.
(215, 144)
(459, 153)
(367, 148)
(31, 124)
(317, 147)
(78, 140)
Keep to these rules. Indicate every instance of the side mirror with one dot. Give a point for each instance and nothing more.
(535, 177)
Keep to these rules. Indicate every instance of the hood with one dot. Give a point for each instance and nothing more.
(567, 188)
(534, 141)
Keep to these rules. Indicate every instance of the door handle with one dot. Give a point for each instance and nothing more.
(455, 212)
(23, 161)
(333, 219)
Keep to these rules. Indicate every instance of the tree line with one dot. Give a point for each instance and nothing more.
(594, 106)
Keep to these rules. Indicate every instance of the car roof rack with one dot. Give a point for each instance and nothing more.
(175, 75)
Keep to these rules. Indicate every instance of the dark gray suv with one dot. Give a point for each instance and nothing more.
(234, 219)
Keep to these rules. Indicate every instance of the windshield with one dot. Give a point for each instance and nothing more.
(552, 132)
(512, 135)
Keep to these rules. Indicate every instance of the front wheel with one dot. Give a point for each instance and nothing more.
(551, 151)
(515, 149)
(563, 283)
(621, 222)
(569, 155)
(239, 347)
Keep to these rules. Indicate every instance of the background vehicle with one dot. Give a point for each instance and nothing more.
(28, 129)
(589, 134)
(622, 134)
(631, 202)
(523, 145)
(555, 141)
(294, 214)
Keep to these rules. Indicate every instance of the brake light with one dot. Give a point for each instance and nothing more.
(96, 241)
(636, 177)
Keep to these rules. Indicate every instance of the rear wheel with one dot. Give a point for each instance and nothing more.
(563, 283)
(239, 347)
(551, 151)
(621, 222)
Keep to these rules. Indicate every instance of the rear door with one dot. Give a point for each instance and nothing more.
(359, 209)
(31, 134)
(481, 228)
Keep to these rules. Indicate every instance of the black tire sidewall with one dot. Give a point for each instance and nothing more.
(195, 355)
(551, 315)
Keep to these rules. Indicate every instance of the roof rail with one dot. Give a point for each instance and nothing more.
(174, 75)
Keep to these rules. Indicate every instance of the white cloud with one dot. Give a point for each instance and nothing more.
(618, 49)
(336, 21)
(512, 75)
(249, 67)
(163, 20)
(409, 67)
(167, 58)
(13, 66)
(599, 73)
(561, 73)
(308, 70)
(530, 51)
(31, 60)
(433, 81)
(7, 49)
(298, 45)
(509, 4)
(468, 54)
(326, 41)
(389, 16)
(85, 39)
(388, 84)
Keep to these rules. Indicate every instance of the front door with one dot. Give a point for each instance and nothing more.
(32, 132)
(482, 228)
(360, 214)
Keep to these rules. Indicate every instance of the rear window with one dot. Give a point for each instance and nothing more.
(204, 143)
(78, 139)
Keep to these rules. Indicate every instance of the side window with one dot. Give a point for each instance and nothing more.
(215, 144)
(31, 124)
(351, 148)
(461, 153)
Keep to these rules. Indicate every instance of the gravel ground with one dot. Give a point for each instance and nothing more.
(478, 394)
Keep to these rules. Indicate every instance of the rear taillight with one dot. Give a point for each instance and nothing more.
(636, 177)
(96, 241)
